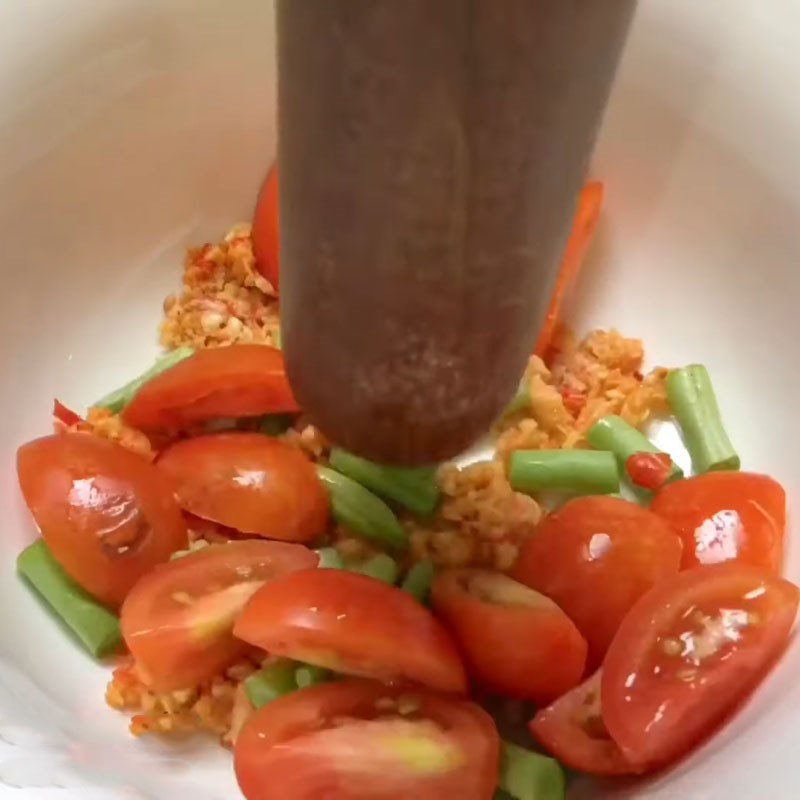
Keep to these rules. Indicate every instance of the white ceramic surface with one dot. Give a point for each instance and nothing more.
(129, 129)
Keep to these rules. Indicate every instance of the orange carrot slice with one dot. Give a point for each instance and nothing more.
(590, 203)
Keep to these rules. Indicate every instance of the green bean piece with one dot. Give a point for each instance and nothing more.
(691, 395)
(275, 424)
(329, 558)
(612, 433)
(273, 681)
(361, 511)
(117, 400)
(413, 487)
(95, 626)
(525, 775)
(308, 675)
(577, 471)
(381, 567)
(419, 579)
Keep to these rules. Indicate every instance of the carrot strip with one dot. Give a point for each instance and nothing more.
(590, 203)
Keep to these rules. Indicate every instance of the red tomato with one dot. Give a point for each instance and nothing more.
(595, 557)
(265, 229)
(649, 470)
(353, 624)
(688, 652)
(572, 729)
(242, 380)
(726, 516)
(178, 620)
(516, 642)
(104, 512)
(358, 740)
(250, 482)
(66, 416)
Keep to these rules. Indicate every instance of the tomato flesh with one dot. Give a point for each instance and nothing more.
(250, 482)
(265, 229)
(726, 516)
(104, 512)
(355, 625)
(357, 740)
(595, 557)
(688, 652)
(516, 642)
(242, 380)
(178, 620)
(572, 729)
(649, 470)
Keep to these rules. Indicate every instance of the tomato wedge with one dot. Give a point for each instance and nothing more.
(104, 512)
(572, 729)
(358, 740)
(688, 652)
(265, 229)
(242, 380)
(726, 516)
(595, 557)
(178, 620)
(250, 482)
(352, 624)
(516, 642)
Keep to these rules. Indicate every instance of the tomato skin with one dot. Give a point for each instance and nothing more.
(749, 509)
(688, 652)
(280, 754)
(104, 512)
(649, 470)
(250, 482)
(241, 380)
(177, 636)
(265, 229)
(572, 730)
(516, 642)
(353, 624)
(595, 557)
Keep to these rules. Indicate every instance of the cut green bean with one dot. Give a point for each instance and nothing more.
(419, 579)
(525, 775)
(361, 511)
(381, 567)
(612, 433)
(578, 471)
(95, 626)
(694, 404)
(329, 558)
(275, 424)
(120, 398)
(307, 675)
(273, 681)
(415, 488)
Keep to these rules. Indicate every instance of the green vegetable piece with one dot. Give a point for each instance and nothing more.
(275, 424)
(381, 567)
(694, 404)
(419, 579)
(120, 398)
(578, 471)
(612, 433)
(525, 775)
(307, 675)
(414, 488)
(95, 626)
(361, 511)
(329, 558)
(273, 681)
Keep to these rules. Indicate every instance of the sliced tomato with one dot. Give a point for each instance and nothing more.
(595, 557)
(516, 642)
(104, 512)
(178, 619)
(726, 516)
(688, 652)
(242, 380)
(66, 416)
(649, 470)
(250, 482)
(358, 740)
(572, 729)
(265, 229)
(353, 624)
